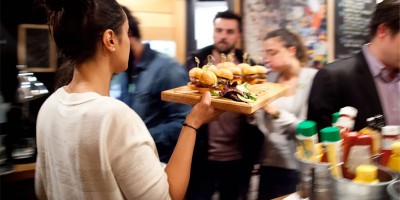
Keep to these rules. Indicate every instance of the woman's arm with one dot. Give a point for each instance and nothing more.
(178, 168)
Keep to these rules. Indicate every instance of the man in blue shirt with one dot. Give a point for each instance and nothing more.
(149, 73)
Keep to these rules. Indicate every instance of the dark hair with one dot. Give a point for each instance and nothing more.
(77, 26)
(229, 15)
(290, 39)
(133, 23)
(387, 12)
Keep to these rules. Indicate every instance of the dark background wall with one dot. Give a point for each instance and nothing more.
(19, 124)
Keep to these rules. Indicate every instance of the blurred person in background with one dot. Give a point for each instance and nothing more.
(368, 81)
(227, 149)
(92, 146)
(149, 73)
(287, 58)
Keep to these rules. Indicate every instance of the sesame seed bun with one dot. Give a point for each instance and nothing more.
(260, 69)
(249, 70)
(195, 72)
(226, 65)
(224, 73)
(212, 68)
(208, 78)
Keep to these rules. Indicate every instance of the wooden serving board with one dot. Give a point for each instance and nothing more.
(265, 93)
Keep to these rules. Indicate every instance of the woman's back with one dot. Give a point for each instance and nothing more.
(94, 153)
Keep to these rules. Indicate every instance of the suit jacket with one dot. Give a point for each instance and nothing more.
(347, 82)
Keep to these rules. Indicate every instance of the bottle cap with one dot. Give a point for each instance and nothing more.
(366, 173)
(349, 111)
(380, 122)
(335, 117)
(345, 122)
(391, 130)
(307, 128)
(396, 148)
(330, 134)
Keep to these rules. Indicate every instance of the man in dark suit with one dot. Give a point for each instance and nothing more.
(368, 81)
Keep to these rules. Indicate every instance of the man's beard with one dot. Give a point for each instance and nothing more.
(224, 51)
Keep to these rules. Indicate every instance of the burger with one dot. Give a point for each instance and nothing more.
(237, 75)
(226, 65)
(254, 74)
(243, 65)
(224, 76)
(262, 73)
(203, 80)
(194, 75)
(210, 67)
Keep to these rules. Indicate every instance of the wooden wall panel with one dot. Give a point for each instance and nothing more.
(161, 20)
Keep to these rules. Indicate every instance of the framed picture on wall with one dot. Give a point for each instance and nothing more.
(36, 49)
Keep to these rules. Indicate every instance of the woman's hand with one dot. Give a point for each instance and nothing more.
(271, 110)
(203, 112)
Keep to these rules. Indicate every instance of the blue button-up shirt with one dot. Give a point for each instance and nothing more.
(156, 72)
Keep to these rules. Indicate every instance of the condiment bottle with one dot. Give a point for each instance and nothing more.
(366, 174)
(331, 141)
(335, 117)
(346, 119)
(360, 153)
(394, 159)
(345, 122)
(373, 130)
(389, 135)
(350, 140)
(307, 138)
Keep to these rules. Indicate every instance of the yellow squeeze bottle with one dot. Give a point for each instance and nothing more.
(366, 174)
(330, 137)
(394, 159)
(307, 138)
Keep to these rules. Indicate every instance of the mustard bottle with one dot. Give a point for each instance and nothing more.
(307, 138)
(332, 142)
(394, 159)
(366, 174)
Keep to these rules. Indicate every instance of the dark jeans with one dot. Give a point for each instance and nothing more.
(228, 177)
(276, 182)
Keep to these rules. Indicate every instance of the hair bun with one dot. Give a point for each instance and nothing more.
(54, 5)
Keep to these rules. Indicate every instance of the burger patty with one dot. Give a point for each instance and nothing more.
(222, 81)
(196, 82)
(254, 76)
(235, 76)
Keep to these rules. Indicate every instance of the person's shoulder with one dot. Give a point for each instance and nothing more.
(112, 106)
(342, 64)
(203, 51)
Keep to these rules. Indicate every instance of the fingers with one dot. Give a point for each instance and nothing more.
(206, 98)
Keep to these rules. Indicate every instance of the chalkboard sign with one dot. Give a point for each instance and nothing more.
(352, 21)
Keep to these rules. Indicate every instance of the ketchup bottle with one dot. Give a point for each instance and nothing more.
(389, 135)
(357, 154)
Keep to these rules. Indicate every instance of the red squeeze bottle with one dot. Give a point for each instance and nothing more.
(358, 154)
(349, 140)
(390, 134)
